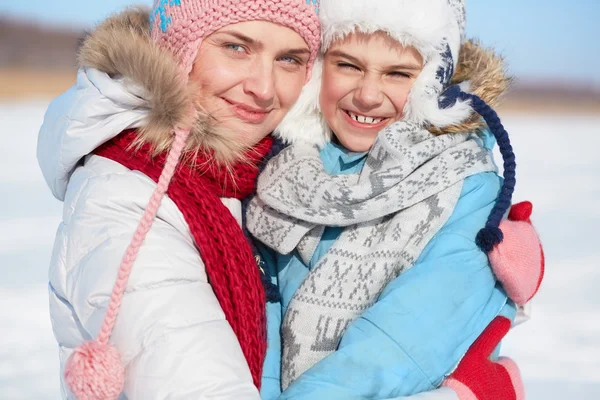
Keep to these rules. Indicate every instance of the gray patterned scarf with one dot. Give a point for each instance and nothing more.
(408, 188)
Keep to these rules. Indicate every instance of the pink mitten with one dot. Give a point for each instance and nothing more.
(518, 261)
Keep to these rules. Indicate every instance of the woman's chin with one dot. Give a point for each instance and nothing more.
(247, 133)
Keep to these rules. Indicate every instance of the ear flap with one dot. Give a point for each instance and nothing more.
(304, 122)
(424, 106)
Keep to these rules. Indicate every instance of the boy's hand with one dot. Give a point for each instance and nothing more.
(479, 378)
(518, 261)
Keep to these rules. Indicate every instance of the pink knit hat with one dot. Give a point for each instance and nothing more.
(180, 25)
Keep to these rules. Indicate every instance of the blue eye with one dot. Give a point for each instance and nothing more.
(289, 60)
(235, 47)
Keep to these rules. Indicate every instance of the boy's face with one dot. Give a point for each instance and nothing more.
(366, 82)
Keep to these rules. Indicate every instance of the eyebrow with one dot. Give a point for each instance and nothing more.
(407, 66)
(260, 45)
(243, 38)
(294, 52)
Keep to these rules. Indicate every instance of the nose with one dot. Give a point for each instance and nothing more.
(368, 95)
(260, 83)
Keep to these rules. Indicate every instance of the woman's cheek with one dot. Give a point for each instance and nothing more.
(289, 87)
(218, 71)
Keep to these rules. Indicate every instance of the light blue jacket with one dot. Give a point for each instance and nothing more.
(423, 322)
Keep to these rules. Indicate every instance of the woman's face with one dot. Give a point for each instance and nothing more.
(249, 75)
(366, 82)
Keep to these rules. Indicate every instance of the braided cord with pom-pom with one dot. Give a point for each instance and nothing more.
(95, 371)
(196, 189)
(141, 232)
(491, 235)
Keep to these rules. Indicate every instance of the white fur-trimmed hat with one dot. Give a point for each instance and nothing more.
(434, 27)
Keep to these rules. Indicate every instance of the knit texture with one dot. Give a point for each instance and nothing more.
(406, 191)
(271, 289)
(93, 371)
(196, 189)
(179, 26)
(479, 378)
(518, 261)
(491, 235)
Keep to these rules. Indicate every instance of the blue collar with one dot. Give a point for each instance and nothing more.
(338, 160)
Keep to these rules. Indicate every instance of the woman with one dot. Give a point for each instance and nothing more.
(178, 101)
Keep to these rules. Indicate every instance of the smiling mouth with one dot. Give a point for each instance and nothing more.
(246, 113)
(363, 119)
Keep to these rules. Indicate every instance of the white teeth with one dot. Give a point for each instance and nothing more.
(364, 120)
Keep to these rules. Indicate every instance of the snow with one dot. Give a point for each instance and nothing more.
(558, 170)
(29, 216)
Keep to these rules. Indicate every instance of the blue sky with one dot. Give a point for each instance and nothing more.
(541, 40)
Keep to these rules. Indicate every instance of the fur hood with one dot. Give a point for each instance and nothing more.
(479, 71)
(121, 46)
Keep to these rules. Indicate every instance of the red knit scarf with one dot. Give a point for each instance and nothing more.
(196, 189)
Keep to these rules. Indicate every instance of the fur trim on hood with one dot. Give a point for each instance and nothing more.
(479, 71)
(122, 46)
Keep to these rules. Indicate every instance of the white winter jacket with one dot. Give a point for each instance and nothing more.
(171, 332)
